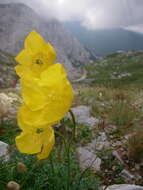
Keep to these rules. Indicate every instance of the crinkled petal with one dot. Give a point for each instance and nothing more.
(48, 139)
(24, 57)
(25, 73)
(30, 118)
(50, 52)
(59, 100)
(52, 76)
(33, 97)
(47, 99)
(29, 143)
(34, 42)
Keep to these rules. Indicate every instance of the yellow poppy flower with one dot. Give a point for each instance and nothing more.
(37, 55)
(52, 89)
(47, 96)
(53, 112)
(39, 141)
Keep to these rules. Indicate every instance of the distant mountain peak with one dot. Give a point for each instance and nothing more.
(107, 41)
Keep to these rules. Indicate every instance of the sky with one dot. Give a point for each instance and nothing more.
(93, 14)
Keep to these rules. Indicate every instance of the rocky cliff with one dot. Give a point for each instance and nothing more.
(17, 20)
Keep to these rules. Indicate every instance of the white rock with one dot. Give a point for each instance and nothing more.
(100, 142)
(124, 187)
(4, 151)
(82, 116)
(116, 154)
(127, 176)
(88, 159)
(83, 111)
(89, 121)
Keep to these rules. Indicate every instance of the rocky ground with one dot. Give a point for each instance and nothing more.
(115, 149)
(105, 145)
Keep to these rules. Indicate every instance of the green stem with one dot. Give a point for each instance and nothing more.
(31, 170)
(68, 149)
(83, 173)
(7, 166)
(74, 123)
(63, 138)
(68, 166)
(52, 167)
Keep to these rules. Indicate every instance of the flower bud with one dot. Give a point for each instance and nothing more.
(12, 185)
(21, 167)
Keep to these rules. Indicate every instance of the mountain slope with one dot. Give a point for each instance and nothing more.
(107, 41)
(17, 20)
(8, 76)
(117, 70)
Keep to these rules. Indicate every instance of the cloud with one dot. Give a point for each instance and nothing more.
(93, 14)
(135, 28)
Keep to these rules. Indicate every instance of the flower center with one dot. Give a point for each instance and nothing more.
(39, 130)
(39, 62)
(39, 59)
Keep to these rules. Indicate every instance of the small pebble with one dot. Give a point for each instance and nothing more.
(21, 167)
(12, 185)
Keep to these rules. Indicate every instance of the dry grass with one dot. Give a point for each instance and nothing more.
(135, 146)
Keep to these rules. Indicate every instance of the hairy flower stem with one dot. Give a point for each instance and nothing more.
(52, 167)
(28, 174)
(62, 137)
(8, 166)
(83, 173)
(67, 145)
(68, 165)
(68, 150)
(74, 123)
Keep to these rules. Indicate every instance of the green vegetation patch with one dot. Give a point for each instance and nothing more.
(118, 70)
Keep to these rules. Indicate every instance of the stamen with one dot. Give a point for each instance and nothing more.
(39, 130)
(39, 62)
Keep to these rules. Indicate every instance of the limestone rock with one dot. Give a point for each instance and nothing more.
(127, 176)
(4, 151)
(88, 159)
(100, 142)
(82, 116)
(116, 154)
(124, 187)
(81, 111)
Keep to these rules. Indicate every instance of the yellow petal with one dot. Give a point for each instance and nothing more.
(48, 140)
(53, 75)
(24, 57)
(59, 101)
(25, 72)
(47, 99)
(28, 128)
(30, 118)
(29, 143)
(34, 42)
(50, 52)
(33, 96)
